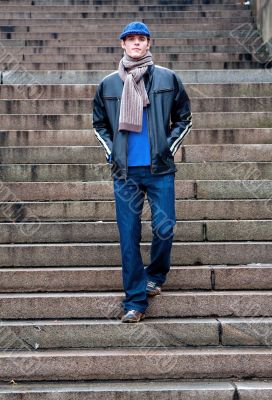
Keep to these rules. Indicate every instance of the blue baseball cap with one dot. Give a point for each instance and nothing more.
(135, 28)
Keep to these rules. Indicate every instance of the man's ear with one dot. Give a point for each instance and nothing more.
(123, 44)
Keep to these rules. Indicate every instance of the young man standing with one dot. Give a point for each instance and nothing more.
(141, 115)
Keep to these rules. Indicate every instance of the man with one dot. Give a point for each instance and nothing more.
(141, 115)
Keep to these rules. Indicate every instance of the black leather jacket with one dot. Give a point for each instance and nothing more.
(169, 119)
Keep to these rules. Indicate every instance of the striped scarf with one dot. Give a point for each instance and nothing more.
(134, 96)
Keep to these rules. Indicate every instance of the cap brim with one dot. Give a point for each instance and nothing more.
(123, 35)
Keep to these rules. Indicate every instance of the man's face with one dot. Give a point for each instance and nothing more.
(135, 46)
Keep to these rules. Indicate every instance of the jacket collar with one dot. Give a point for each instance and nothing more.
(148, 77)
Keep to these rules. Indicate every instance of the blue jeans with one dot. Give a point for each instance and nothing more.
(129, 201)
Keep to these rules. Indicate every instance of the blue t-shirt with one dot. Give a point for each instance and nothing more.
(139, 146)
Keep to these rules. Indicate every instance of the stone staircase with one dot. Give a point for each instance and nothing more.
(209, 335)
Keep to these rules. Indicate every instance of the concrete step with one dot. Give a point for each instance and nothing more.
(107, 60)
(95, 154)
(202, 90)
(87, 91)
(241, 303)
(135, 390)
(229, 136)
(22, 33)
(213, 171)
(13, 191)
(101, 254)
(230, 171)
(85, 232)
(237, 189)
(238, 230)
(54, 154)
(49, 137)
(85, 105)
(229, 104)
(170, 363)
(123, 20)
(251, 276)
(35, 14)
(46, 334)
(141, 390)
(68, 279)
(110, 279)
(65, 92)
(95, 77)
(171, 24)
(121, 8)
(226, 152)
(218, 29)
(112, 2)
(84, 121)
(175, 332)
(47, 106)
(17, 138)
(97, 50)
(80, 38)
(64, 211)
(95, 232)
(86, 66)
(50, 57)
(186, 189)
(174, 65)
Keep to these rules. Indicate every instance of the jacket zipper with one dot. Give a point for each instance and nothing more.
(126, 158)
(126, 173)
(149, 137)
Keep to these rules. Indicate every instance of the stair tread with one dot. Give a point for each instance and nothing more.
(121, 386)
(131, 351)
(165, 294)
(154, 320)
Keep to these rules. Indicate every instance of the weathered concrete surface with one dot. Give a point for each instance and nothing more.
(94, 279)
(236, 189)
(14, 191)
(239, 230)
(67, 334)
(242, 152)
(110, 391)
(87, 91)
(98, 210)
(248, 331)
(253, 390)
(83, 77)
(252, 276)
(84, 121)
(100, 254)
(86, 137)
(108, 304)
(100, 171)
(185, 231)
(128, 363)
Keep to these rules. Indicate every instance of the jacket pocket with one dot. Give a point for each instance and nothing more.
(111, 97)
(112, 105)
(163, 90)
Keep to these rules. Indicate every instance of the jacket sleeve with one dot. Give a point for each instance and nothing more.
(101, 125)
(181, 117)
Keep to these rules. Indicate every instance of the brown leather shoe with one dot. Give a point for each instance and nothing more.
(133, 316)
(152, 289)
